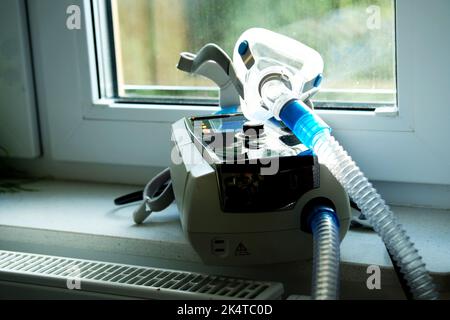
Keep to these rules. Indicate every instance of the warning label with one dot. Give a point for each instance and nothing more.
(241, 250)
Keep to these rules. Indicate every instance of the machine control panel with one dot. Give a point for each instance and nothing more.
(259, 167)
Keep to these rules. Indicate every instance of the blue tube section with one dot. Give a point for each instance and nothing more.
(325, 229)
(322, 211)
(306, 125)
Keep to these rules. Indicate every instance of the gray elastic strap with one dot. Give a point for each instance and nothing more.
(151, 201)
(163, 200)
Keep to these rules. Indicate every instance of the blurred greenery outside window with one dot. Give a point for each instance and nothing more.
(356, 39)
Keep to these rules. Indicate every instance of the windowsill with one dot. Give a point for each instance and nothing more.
(79, 219)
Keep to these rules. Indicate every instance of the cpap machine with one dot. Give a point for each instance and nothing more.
(243, 182)
(263, 181)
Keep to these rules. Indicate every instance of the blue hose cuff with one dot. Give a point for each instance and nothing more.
(319, 211)
(304, 123)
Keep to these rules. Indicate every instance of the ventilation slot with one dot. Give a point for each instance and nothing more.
(128, 280)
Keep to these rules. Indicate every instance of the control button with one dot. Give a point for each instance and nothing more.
(290, 140)
(254, 136)
(253, 129)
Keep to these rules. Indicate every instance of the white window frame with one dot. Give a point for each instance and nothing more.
(409, 146)
(19, 128)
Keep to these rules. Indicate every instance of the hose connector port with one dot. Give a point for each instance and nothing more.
(315, 207)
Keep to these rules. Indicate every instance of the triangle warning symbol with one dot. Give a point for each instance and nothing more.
(241, 250)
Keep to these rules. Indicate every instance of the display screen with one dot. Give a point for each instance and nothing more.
(220, 135)
(207, 126)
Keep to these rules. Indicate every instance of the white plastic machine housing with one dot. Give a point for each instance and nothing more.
(223, 238)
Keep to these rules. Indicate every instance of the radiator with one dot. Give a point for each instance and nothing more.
(112, 279)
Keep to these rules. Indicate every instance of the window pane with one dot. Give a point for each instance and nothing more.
(355, 37)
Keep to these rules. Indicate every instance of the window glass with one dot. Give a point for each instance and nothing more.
(355, 37)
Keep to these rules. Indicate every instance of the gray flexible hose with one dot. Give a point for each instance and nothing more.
(380, 216)
(325, 276)
(314, 133)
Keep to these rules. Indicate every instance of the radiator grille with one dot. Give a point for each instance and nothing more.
(129, 280)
